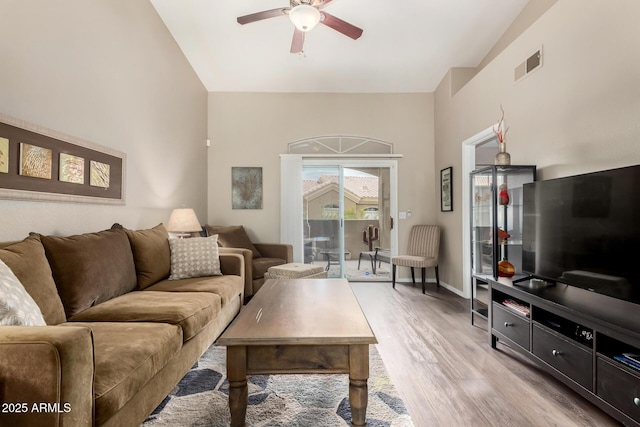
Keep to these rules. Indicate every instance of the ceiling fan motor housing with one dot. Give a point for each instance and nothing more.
(314, 3)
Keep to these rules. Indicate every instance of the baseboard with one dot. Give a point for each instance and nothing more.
(453, 289)
(445, 285)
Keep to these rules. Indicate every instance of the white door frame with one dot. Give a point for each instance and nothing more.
(468, 165)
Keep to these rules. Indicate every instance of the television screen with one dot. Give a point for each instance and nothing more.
(584, 231)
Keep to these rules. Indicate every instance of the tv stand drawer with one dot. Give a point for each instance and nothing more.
(618, 387)
(511, 325)
(567, 357)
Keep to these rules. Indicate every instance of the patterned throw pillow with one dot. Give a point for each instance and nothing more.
(194, 257)
(17, 308)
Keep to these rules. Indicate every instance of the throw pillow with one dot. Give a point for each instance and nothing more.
(90, 268)
(233, 236)
(151, 254)
(194, 257)
(30, 265)
(17, 308)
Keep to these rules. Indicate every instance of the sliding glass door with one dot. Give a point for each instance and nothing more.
(323, 217)
(347, 217)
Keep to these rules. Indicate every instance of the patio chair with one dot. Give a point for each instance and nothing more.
(379, 256)
(422, 252)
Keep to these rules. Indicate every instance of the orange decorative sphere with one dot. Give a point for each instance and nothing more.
(506, 269)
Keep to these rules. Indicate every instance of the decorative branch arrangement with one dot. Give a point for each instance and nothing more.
(498, 130)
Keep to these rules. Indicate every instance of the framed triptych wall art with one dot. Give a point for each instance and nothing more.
(37, 163)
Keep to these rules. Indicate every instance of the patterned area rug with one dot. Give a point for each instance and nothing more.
(201, 398)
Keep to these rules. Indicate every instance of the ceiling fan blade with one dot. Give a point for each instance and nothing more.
(341, 26)
(259, 16)
(298, 41)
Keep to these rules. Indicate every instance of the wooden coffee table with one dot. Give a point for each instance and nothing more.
(299, 326)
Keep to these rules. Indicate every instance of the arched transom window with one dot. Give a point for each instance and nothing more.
(353, 145)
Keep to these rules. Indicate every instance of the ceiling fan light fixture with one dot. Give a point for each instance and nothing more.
(305, 17)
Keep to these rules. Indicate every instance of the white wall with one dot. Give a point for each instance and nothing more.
(108, 72)
(249, 129)
(579, 113)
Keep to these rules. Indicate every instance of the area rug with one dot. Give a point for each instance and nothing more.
(363, 274)
(201, 398)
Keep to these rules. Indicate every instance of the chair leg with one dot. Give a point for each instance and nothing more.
(424, 270)
(437, 277)
(413, 276)
(393, 276)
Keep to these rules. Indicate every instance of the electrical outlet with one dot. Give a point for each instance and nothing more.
(402, 215)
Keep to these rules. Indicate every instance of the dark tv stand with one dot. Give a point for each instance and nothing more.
(573, 334)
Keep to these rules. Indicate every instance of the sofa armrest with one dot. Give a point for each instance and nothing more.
(51, 367)
(276, 250)
(232, 264)
(247, 255)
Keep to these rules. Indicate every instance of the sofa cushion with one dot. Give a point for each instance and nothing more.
(232, 236)
(227, 287)
(127, 355)
(28, 262)
(90, 268)
(192, 311)
(261, 266)
(194, 257)
(151, 254)
(17, 308)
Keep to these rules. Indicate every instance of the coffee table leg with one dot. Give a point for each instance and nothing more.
(238, 391)
(358, 376)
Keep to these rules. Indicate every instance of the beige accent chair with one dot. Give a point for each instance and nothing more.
(423, 250)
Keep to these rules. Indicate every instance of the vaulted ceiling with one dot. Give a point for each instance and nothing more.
(407, 45)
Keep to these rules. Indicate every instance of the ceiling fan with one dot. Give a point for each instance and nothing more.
(305, 15)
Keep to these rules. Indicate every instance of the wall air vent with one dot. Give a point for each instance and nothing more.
(529, 65)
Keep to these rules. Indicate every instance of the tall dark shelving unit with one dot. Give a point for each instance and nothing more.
(488, 216)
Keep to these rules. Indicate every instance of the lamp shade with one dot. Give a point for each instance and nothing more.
(183, 220)
(304, 17)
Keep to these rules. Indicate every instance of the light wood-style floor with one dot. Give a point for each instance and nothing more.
(448, 374)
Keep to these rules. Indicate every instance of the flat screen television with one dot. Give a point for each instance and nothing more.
(584, 231)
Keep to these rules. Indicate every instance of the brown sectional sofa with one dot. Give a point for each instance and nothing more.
(119, 335)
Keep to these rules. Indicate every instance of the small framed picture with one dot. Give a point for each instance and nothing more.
(246, 188)
(35, 161)
(446, 189)
(71, 168)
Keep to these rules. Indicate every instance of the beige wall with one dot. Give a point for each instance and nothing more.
(530, 14)
(248, 129)
(580, 112)
(108, 72)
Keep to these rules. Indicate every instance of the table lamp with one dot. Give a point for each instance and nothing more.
(183, 222)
